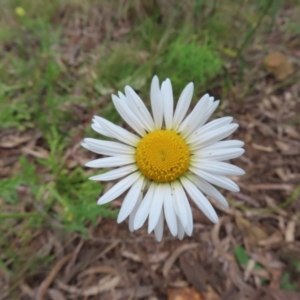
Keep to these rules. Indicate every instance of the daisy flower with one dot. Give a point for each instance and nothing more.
(170, 156)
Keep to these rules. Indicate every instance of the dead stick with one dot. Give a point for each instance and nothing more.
(47, 282)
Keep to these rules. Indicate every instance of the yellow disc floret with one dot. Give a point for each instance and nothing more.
(162, 156)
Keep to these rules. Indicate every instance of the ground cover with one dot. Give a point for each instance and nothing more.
(59, 63)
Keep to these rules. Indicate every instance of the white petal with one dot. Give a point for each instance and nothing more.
(220, 168)
(189, 216)
(200, 200)
(133, 213)
(168, 101)
(109, 162)
(118, 132)
(127, 114)
(115, 174)
(211, 100)
(195, 117)
(183, 105)
(130, 200)
(213, 136)
(216, 124)
(107, 147)
(180, 230)
(137, 122)
(190, 225)
(212, 107)
(209, 127)
(156, 103)
(181, 202)
(156, 207)
(139, 109)
(144, 209)
(119, 188)
(101, 130)
(170, 211)
(159, 228)
(208, 189)
(225, 145)
(221, 154)
(215, 179)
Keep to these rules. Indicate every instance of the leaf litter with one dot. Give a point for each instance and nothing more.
(245, 256)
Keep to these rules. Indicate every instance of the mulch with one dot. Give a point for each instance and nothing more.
(262, 221)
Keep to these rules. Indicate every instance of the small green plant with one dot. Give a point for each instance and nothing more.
(289, 279)
(197, 62)
(243, 258)
(78, 196)
(287, 283)
(41, 90)
(8, 190)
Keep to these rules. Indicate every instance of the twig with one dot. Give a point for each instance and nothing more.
(47, 282)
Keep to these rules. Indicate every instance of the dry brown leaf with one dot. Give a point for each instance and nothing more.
(287, 148)
(262, 148)
(268, 262)
(170, 261)
(131, 255)
(267, 186)
(290, 230)
(158, 257)
(215, 236)
(56, 295)
(249, 268)
(283, 295)
(253, 232)
(105, 284)
(281, 174)
(27, 290)
(274, 239)
(179, 284)
(188, 293)
(283, 147)
(36, 152)
(140, 292)
(211, 294)
(12, 141)
(65, 287)
(292, 132)
(153, 258)
(98, 269)
(193, 271)
(264, 274)
(236, 278)
(279, 65)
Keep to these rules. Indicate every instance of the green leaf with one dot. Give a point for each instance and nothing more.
(243, 258)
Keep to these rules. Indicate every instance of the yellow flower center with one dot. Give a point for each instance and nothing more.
(162, 156)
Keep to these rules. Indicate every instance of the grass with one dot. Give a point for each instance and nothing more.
(52, 79)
